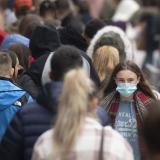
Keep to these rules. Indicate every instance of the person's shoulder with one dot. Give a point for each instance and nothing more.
(116, 138)
(116, 145)
(156, 94)
(44, 144)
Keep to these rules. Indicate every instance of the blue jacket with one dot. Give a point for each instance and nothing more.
(31, 121)
(10, 103)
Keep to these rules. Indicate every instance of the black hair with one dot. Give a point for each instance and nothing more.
(22, 11)
(65, 58)
(92, 27)
(47, 6)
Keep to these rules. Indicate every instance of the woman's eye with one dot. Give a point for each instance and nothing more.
(121, 81)
(130, 80)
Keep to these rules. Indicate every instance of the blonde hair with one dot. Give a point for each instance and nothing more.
(72, 110)
(104, 60)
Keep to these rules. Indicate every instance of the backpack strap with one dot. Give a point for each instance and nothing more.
(22, 100)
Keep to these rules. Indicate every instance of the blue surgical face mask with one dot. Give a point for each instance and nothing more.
(126, 89)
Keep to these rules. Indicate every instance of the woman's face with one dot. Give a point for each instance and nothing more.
(126, 76)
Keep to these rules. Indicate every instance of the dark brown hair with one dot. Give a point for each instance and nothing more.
(128, 65)
(22, 53)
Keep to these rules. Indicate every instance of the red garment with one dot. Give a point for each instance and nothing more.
(3, 34)
(21, 3)
(141, 101)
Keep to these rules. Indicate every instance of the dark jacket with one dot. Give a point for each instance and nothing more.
(34, 119)
(31, 79)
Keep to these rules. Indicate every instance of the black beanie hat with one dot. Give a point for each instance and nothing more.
(45, 39)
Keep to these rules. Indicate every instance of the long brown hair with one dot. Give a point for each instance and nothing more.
(72, 110)
(143, 85)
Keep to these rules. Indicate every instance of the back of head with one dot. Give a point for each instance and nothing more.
(150, 130)
(45, 39)
(5, 65)
(12, 55)
(74, 102)
(64, 59)
(22, 53)
(62, 5)
(92, 27)
(112, 39)
(23, 7)
(28, 24)
(104, 60)
(70, 36)
(47, 6)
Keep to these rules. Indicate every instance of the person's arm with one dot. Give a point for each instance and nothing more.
(103, 116)
(11, 146)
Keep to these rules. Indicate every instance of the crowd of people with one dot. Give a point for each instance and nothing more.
(79, 79)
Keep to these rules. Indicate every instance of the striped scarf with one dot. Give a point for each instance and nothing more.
(142, 105)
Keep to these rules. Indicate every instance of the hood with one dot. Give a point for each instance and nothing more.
(47, 68)
(36, 69)
(100, 33)
(50, 95)
(14, 38)
(45, 39)
(9, 93)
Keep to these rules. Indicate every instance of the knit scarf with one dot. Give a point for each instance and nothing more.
(142, 105)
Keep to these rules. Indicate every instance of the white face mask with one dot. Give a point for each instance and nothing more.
(126, 89)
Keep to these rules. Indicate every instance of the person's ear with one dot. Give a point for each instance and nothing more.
(11, 72)
(138, 80)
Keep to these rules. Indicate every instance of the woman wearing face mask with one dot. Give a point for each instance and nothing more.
(127, 98)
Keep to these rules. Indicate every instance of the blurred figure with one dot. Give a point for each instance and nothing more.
(66, 13)
(15, 64)
(95, 7)
(76, 123)
(23, 54)
(91, 28)
(150, 131)
(28, 24)
(104, 60)
(22, 7)
(12, 98)
(3, 33)
(13, 39)
(47, 10)
(43, 41)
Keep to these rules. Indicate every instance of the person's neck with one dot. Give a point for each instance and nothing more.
(130, 98)
(5, 76)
